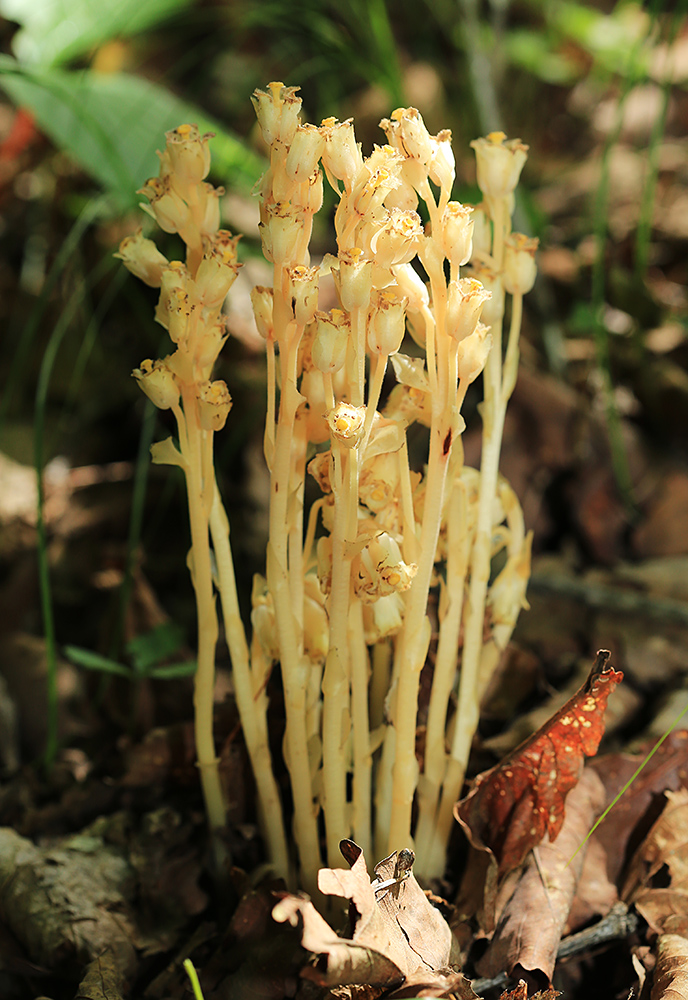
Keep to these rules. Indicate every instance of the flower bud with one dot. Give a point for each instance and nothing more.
(305, 152)
(218, 270)
(397, 240)
(457, 233)
(303, 291)
(472, 353)
(499, 163)
(331, 340)
(158, 383)
(387, 323)
(341, 155)
(189, 153)
(168, 209)
(142, 258)
(346, 423)
(214, 404)
(464, 305)
(520, 269)
(262, 302)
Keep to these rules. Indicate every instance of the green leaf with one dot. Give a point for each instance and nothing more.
(55, 31)
(112, 124)
(186, 669)
(93, 661)
(152, 647)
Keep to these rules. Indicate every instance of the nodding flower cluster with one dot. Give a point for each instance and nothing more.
(343, 606)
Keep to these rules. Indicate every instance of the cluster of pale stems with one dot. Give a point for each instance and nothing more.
(343, 606)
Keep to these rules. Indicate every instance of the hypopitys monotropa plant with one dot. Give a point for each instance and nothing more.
(343, 605)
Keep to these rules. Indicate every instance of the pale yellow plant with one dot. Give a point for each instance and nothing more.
(343, 606)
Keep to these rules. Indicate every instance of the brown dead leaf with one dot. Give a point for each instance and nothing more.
(534, 918)
(397, 936)
(670, 981)
(340, 961)
(667, 769)
(663, 853)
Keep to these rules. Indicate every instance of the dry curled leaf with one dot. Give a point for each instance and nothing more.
(398, 940)
(670, 981)
(512, 805)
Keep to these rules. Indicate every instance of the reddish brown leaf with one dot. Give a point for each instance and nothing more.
(512, 805)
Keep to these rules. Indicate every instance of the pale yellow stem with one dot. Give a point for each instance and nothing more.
(335, 685)
(362, 758)
(204, 678)
(251, 701)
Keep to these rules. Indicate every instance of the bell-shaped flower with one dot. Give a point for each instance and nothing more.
(158, 383)
(304, 153)
(397, 239)
(465, 302)
(442, 169)
(472, 353)
(214, 404)
(520, 269)
(456, 236)
(189, 153)
(346, 423)
(262, 300)
(218, 270)
(493, 308)
(341, 156)
(142, 257)
(386, 323)
(277, 111)
(380, 570)
(378, 176)
(168, 209)
(281, 232)
(353, 277)
(331, 340)
(499, 163)
(303, 292)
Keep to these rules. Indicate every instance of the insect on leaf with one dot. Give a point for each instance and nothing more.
(512, 805)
